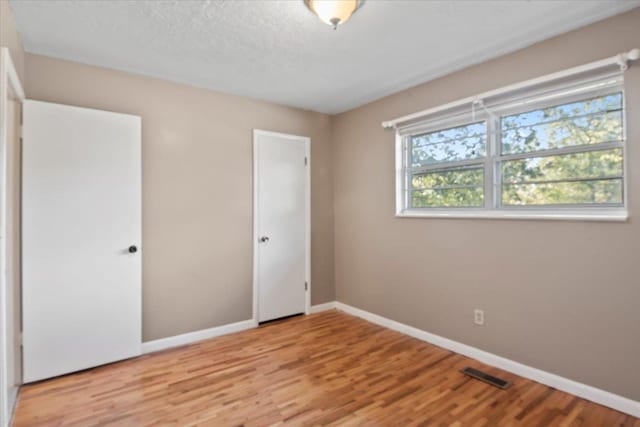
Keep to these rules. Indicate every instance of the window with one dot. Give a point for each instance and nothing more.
(553, 152)
(447, 167)
(569, 154)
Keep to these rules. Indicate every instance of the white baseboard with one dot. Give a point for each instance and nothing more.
(323, 307)
(584, 391)
(13, 402)
(191, 337)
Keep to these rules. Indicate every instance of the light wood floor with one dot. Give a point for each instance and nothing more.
(327, 368)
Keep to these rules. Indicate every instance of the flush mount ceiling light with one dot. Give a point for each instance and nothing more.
(334, 12)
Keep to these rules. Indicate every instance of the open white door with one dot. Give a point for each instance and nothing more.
(81, 218)
(281, 225)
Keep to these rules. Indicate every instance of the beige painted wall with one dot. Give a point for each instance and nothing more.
(9, 37)
(197, 189)
(559, 296)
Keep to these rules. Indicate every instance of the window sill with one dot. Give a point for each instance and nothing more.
(615, 215)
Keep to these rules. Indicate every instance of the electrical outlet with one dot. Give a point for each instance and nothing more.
(478, 317)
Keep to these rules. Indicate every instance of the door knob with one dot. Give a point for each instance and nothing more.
(133, 249)
(264, 239)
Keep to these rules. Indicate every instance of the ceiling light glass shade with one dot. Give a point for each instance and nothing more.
(334, 12)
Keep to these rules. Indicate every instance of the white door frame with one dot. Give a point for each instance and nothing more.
(307, 144)
(8, 80)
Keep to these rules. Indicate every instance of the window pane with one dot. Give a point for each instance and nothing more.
(582, 178)
(592, 164)
(461, 187)
(594, 192)
(447, 145)
(586, 122)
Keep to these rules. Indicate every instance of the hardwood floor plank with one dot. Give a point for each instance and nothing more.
(324, 369)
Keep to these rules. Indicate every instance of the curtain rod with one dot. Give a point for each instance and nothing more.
(621, 59)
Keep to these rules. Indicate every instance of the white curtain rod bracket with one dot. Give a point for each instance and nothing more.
(621, 59)
(625, 57)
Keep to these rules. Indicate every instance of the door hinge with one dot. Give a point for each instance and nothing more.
(305, 161)
(306, 286)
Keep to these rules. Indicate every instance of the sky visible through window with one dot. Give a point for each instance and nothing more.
(458, 143)
(585, 122)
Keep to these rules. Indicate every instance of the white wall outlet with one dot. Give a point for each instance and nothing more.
(478, 317)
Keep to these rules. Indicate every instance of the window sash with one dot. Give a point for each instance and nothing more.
(470, 167)
(493, 160)
(559, 152)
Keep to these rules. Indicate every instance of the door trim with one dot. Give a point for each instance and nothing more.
(256, 214)
(8, 80)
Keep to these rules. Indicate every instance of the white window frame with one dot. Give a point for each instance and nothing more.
(493, 208)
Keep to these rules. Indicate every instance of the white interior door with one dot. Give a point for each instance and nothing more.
(281, 225)
(81, 221)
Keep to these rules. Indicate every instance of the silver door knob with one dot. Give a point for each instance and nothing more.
(264, 239)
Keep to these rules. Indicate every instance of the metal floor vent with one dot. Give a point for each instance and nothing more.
(489, 379)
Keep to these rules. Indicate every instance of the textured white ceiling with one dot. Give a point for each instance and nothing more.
(278, 51)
